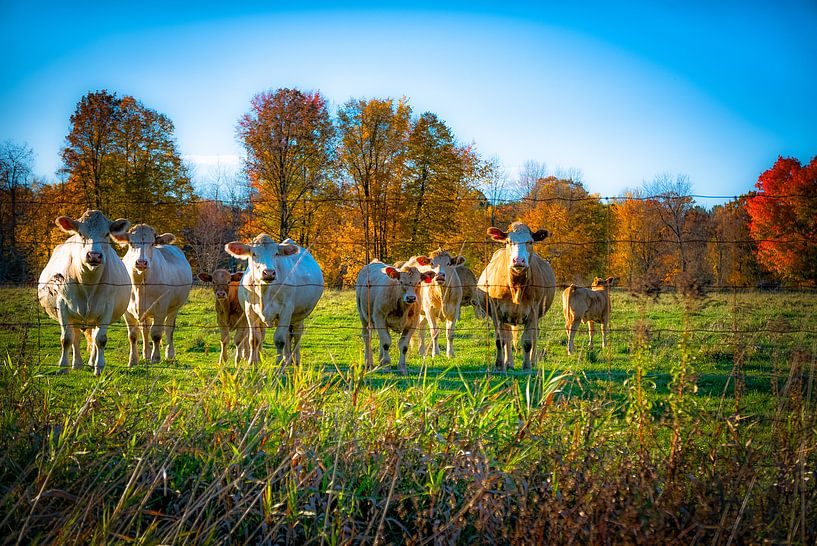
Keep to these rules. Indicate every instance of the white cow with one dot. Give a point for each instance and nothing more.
(85, 286)
(280, 288)
(161, 279)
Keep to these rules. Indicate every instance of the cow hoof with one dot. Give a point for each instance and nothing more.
(62, 371)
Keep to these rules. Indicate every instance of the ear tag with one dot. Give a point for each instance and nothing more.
(427, 280)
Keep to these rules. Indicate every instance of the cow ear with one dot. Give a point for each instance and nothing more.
(459, 260)
(205, 277)
(611, 280)
(423, 260)
(287, 249)
(238, 250)
(122, 238)
(391, 272)
(67, 224)
(236, 276)
(398, 265)
(497, 234)
(541, 235)
(165, 239)
(120, 225)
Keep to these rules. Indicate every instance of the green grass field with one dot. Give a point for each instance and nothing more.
(696, 424)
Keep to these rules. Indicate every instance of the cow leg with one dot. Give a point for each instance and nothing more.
(133, 333)
(256, 340)
(156, 330)
(591, 328)
(434, 333)
(366, 334)
(421, 330)
(297, 332)
(571, 328)
(242, 348)
(504, 350)
(170, 328)
(224, 330)
(402, 345)
(281, 340)
(529, 342)
(76, 336)
(450, 323)
(145, 327)
(89, 342)
(385, 340)
(100, 341)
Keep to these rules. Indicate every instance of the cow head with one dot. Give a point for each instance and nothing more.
(221, 279)
(141, 240)
(408, 277)
(443, 264)
(518, 243)
(598, 282)
(261, 256)
(92, 230)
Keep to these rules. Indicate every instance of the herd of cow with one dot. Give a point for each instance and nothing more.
(86, 287)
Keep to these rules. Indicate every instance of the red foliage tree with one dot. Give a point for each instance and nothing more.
(783, 219)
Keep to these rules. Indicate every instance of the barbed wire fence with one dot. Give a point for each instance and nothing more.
(786, 330)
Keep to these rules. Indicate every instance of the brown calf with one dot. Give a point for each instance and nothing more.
(229, 313)
(588, 305)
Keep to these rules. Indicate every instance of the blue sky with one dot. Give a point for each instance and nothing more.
(712, 90)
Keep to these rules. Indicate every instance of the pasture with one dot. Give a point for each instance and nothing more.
(696, 424)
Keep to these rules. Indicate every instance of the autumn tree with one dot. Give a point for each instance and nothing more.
(577, 221)
(288, 137)
(783, 219)
(372, 152)
(121, 157)
(90, 149)
(436, 187)
(731, 249)
(637, 252)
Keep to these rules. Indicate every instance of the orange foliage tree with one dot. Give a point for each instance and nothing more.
(288, 137)
(577, 221)
(121, 158)
(783, 219)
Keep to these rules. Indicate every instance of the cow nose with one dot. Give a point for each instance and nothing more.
(441, 277)
(141, 265)
(410, 299)
(268, 275)
(519, 262)
(221, 294)
(93, 257)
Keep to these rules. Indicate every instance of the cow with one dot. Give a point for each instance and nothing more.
(161, 280)
(517, 288)
(386, 299)
(280, 288)
(588, 305)
(440, 299)
(85, 286)
(470, 295)
(230, 315)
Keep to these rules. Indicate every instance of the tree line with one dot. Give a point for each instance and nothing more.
(377, 180)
